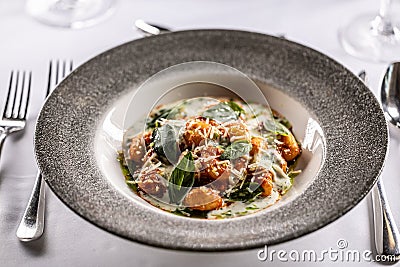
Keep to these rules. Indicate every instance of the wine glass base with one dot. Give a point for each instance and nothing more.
(70, 13)
(361, 40)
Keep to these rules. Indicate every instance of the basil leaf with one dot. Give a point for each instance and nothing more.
(275, 127)
(236, 150)
(129, 180)
(293, 174)
(181, 179)
(247, 193)
(162, 114)
(281, 119)
(221, 112)
(165, 143)
(235, 107)
(285, 123)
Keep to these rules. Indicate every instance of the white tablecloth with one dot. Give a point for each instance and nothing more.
(70, 240)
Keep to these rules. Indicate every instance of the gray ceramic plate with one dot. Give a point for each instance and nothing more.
(338, 120)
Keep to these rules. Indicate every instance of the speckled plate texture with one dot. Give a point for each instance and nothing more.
(352, 121)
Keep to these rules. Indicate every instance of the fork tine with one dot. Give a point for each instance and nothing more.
(19, 107)
(8, 95)
(64, 68)
(57, 70)
(12, 114)
(28, 94)
(49, 78)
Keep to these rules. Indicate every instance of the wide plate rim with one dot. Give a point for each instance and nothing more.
(236, 246)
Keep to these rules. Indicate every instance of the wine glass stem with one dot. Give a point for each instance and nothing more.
(382, 24)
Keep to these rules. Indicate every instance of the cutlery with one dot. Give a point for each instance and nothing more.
(16, 105)
(387, 235)
(390, 94)
(32, 223)
(150, 29)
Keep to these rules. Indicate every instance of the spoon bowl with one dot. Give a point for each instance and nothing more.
(390, 94)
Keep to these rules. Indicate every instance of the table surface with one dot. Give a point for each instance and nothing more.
(69, 240)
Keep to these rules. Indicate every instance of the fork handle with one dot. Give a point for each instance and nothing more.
(32, 223)
(387, 235)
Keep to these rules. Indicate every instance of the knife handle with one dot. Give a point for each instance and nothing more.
(387, 235)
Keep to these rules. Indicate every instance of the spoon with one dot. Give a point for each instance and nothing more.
(387, 235)
(150, 29)
(390, 94)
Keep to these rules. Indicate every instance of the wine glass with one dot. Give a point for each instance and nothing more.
(373, 37)
(70, 13)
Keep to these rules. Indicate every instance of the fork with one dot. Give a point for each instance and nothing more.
(31, 226)
(16, 105)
